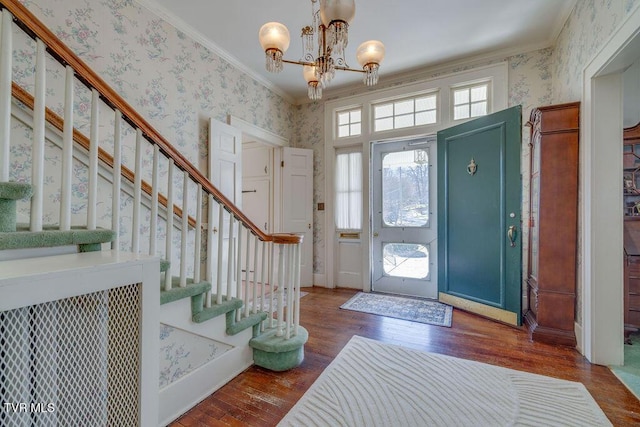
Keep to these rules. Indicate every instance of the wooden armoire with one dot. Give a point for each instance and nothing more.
(553, 228)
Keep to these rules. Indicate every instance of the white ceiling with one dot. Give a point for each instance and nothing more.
(416, 33)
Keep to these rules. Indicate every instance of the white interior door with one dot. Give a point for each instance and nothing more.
(257, 197)
(297, 204)
(225, 160)
(403, 228)
(225, 172)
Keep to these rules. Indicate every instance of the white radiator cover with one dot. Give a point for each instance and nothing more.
(78, 340)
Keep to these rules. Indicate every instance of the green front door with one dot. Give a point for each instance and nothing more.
(479, 218)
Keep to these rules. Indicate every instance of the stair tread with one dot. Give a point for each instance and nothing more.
(50, 237)
(177, 292)
(245, 323)
(216, 310)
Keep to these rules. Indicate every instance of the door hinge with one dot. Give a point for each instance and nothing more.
(282, 163)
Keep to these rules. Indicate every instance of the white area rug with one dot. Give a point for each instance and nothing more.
(374, 384)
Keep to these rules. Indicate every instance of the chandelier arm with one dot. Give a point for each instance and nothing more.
(313, 64)
(355, 70)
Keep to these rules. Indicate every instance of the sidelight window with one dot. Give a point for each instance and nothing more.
(348, 214)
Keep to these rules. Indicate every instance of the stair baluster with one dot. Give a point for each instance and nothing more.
(6, 59)
(117, 179)
(155, 183)
(93, 160)
(37, 153)
(169, 227)
(137, 194)
(185, 230)
(67, 152)
(219, 235)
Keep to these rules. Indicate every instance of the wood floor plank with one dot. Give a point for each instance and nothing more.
(258, 397)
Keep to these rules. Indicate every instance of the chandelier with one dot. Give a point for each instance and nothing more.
(323, 45)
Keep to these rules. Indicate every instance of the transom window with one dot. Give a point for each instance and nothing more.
(470, 101)
(349, 123)
(405, 113)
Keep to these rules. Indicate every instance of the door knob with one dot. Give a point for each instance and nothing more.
(512, 235)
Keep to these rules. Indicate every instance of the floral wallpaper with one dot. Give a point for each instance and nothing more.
(584, 33)
(182, 352)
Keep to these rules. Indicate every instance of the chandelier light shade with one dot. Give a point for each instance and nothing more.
(369, 56)
(323, 43)
(336, 15)
(337, 10)
(274, 39)
(314, 88)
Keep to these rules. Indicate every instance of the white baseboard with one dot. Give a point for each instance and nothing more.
(182, 395)
(319, 280)
(578, 331)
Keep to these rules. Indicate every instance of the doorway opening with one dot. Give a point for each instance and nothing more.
(601, 165)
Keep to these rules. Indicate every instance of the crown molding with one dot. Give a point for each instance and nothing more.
(180, 25)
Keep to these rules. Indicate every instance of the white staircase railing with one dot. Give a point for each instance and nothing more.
(155, 219)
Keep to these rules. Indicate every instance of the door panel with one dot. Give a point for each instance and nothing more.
(403, 243)
(297, 204)
(225, 160)
(479, 199)
(225, 172)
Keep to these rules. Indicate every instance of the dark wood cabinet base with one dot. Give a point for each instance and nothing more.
(548, 335)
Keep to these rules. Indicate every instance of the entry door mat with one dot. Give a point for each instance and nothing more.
(371, 384)
(405, 308)
(629, 374)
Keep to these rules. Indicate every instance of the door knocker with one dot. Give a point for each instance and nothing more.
(472, 167)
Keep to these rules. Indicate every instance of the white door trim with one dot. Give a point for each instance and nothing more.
(251, 131)
(498, 74)
(601, 268)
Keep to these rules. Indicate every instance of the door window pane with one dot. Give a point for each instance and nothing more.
(405, 188)
(406, 260)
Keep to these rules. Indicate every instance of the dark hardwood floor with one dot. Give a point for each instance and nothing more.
(259, 397)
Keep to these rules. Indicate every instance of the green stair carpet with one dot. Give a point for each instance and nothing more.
(9, 193)
(50, 236)
(269, 350)
(277, 353)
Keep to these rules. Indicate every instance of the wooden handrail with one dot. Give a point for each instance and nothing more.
(56, 121)
(63, 54)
